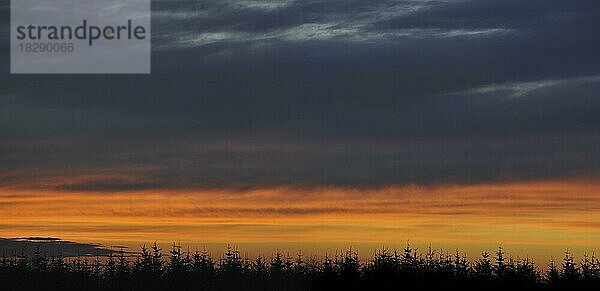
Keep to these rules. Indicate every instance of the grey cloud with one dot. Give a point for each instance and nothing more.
(27, 246)
(312, 93)
(228, 21)
(113, 185)
(514, 14)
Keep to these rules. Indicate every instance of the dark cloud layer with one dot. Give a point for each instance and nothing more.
(313, 93)
(48, 246)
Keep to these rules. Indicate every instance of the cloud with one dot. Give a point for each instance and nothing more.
(512, 14)
(49, 246)
(557, 213)
(296, 21)
(258, 21)
(525, 89)
(248, 94)
(108, 186)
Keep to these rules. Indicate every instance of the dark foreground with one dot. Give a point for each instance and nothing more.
(387, 270)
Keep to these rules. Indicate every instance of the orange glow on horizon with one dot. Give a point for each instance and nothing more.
(535, 218)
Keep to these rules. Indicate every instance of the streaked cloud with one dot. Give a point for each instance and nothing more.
(551, 215)
(298, 21)
(526, 88)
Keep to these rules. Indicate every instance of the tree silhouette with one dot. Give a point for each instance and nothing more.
(202, 270)
(553, 275)
(385, 270)
(483, 267)
(500, 265)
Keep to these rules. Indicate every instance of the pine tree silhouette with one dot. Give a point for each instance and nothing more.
(552, 275)
(569, 267)
(386, 270)
(500, 265)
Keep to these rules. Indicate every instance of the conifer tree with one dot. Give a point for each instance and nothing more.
(500, 264)
(569, 268)
(552, 275)
(483, 266)
(177, 263)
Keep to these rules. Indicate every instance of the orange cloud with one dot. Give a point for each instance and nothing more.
(536, 217)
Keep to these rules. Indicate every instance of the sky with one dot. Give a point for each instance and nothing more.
(319, 124)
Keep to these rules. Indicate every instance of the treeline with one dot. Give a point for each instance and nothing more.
(150, 269)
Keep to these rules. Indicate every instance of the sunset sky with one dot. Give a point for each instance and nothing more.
(320, 125)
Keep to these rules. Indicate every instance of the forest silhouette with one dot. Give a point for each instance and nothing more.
(407, 269)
